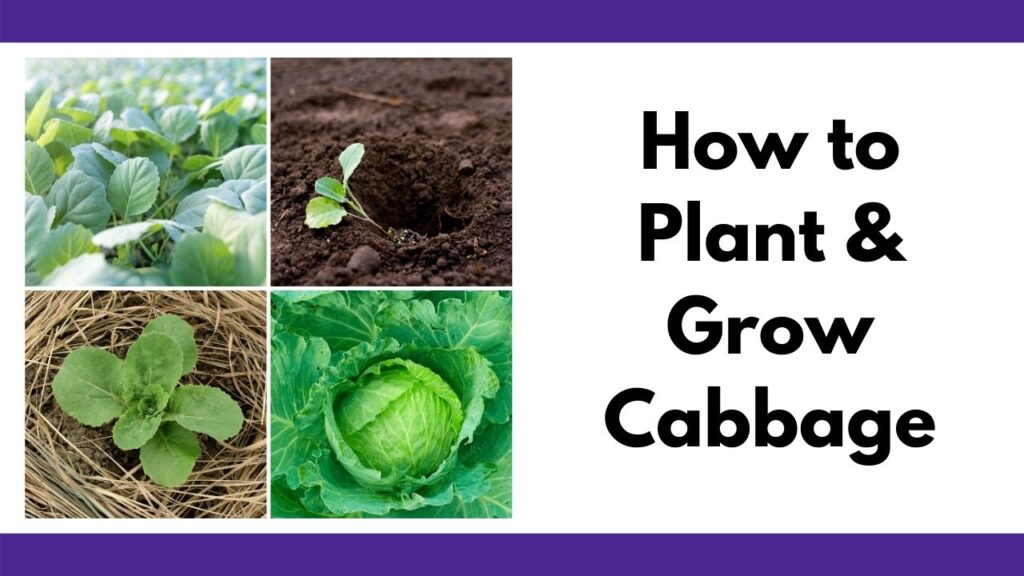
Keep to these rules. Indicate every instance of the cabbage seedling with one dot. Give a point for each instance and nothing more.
(336, 199)
(153, 413)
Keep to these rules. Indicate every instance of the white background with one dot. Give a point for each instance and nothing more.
(590, 317)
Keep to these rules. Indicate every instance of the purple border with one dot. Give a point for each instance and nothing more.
(514, 21)
(513, 554)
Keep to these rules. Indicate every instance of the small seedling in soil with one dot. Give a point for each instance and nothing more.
(154, 414)
(330, 207)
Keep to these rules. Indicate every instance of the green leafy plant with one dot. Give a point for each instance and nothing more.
(153, 412)
(146, 172)
(329, 208)
(392, 404)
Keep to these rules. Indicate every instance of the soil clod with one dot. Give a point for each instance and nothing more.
(365, 260)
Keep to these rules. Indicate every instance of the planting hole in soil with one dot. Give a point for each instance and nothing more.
(436, 174)
(413, 189)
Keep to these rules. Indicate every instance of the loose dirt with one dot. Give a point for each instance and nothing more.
(437, 171)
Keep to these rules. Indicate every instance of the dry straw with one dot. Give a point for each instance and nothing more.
(72, 471)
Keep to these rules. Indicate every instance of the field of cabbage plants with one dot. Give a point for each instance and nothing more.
(391, 404)
(146, 172)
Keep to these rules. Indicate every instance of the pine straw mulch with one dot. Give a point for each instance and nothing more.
(72, 471)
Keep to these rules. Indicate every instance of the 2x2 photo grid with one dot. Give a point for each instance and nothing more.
(184, 223)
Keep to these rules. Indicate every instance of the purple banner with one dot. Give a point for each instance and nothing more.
(519, 21)
(499, 554)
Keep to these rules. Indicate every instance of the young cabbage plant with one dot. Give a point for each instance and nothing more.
(153, 412)
(336, 199)
(146, 173)
(394, 404)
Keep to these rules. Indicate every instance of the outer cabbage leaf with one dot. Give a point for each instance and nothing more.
(133, 187)
(92, 270)
(169, 456)
(206, 410)
(245, 163)
(88, 386)
(37, 225)
(61, 246)
(296, 365)
(39, 169)
(80, 199)
(343, 319)
(90, 161)
(182, 333)
(246, 236)
(202, 260)
(483, 480)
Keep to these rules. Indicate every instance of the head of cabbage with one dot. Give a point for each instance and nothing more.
(407, 413)
(402, 420)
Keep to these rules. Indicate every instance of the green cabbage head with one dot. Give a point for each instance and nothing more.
(391, 404)
(402, 419)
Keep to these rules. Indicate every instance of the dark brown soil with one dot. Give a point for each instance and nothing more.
(437, 170)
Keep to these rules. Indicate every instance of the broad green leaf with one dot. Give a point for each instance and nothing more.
(331, 188)
(483, 481)
(39, 171)
(350, 159)
(245, 163)
(153, 359)
(158, 156)
(140, 125)
(61, 246)
(169, 456)
(219, 133)
(101, 129)
(285, 502)
(254, 197)
(67, 133)
(323, 212)
(258, 133)
(132, 429)
(93, 270)
(133, 187)
(206, 410)
(179, 123)
(88, 386)
(88, 160)
(125, 233)
(343, 319)
(341, 496)
(198, 162)
(82, 109)
(191, 210)
(37, 224)
(41, 109)
(120, 99)
(246, 237)
(109, 155)
(296, 363)
(202, 260)
(229, 106)
(79, 199)
(182, 333)
(62, 157)
(136, 119)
